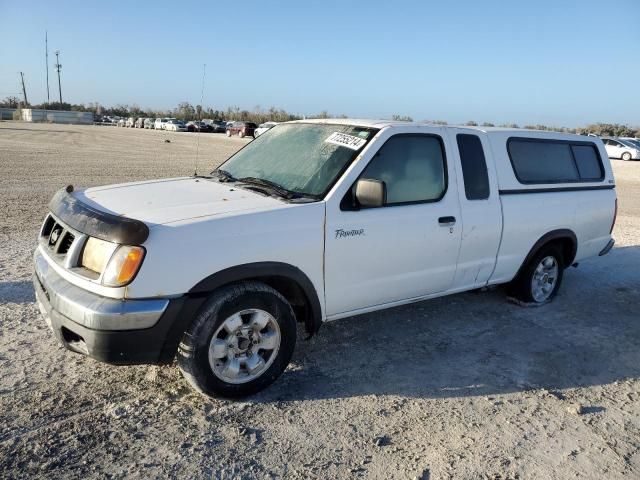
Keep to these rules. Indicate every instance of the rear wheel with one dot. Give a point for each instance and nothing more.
(539, 280)
(626, 156)
(228, 133)
(240, 342)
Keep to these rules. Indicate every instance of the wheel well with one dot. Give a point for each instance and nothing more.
(565, 239)
(567, 248)
(294, 294)
(286, 279)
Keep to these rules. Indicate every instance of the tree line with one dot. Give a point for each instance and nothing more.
(186, 111)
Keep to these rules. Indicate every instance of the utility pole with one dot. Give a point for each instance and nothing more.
(24, 90)
(58, 67)
(46, 57)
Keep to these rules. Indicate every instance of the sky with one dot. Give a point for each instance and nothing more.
(553, 62)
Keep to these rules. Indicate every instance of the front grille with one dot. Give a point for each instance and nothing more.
(64, 246)
(49, 222)
(65, 243)
(56, 236)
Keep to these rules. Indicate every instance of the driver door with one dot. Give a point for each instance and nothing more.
(407, 248)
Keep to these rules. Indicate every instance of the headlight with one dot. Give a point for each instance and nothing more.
(123, 266)
(96, 254)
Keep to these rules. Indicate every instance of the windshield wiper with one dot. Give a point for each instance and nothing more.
(273, 186)
(224, 176)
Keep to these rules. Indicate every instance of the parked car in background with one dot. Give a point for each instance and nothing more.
(634, 141)
(122, 122)
(174, 125)
(139, 123)
(242, 129)
(130, 122)
(160, 123)
(618, 148)
(263, 127)
(149, 123)
(217, 126)
(199, 126)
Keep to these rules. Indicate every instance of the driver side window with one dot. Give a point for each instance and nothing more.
(412, 166)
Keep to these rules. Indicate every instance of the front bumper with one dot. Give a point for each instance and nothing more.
(109, 330)
(91, 310)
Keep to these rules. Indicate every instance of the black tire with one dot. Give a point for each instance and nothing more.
(521, 287)
(193, 352)
(626, 156)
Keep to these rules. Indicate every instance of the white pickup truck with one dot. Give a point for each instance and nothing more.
(314, 221)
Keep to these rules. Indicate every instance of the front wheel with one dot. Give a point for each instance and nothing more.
(540, 278)
(228, 133)
(240, 342)
(626, 156)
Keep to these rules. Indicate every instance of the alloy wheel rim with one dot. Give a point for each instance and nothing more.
(544, 280)
(244, 346)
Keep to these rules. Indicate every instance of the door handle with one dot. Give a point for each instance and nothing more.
(447, 221)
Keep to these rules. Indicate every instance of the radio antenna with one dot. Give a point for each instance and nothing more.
(204, 73)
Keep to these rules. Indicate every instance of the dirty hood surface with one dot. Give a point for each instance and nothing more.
(171, 200)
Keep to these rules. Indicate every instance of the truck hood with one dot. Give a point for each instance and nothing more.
(175, 199)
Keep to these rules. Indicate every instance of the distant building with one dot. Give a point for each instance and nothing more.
(7, 113)
(56, 116)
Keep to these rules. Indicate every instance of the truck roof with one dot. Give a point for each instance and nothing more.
(359, 122)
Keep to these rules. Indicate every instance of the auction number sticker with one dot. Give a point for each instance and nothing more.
(344, 140)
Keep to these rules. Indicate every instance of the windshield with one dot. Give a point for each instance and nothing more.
(305, 158)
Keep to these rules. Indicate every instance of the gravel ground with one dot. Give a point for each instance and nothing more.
(469, 386)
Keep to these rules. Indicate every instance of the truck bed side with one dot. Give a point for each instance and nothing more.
(532, 211)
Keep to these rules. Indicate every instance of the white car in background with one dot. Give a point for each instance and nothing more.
(160, 123)
(174, 125)
(634, 141)
(263, 127)
(619, 148)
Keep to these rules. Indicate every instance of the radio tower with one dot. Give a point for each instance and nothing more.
(46, 59)
(58, 67)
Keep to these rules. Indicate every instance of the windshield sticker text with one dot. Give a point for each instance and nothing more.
(344, 140)
(340, 233)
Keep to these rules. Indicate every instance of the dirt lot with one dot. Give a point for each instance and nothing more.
(468, 386)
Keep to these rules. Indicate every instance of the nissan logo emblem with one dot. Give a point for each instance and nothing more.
(54, 236)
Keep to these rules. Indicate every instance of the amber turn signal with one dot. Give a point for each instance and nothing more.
(123, 266)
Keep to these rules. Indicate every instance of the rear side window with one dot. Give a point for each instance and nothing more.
(554, 161)
(587, 161)
(474, 167)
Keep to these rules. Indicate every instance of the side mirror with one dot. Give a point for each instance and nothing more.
(371, 193)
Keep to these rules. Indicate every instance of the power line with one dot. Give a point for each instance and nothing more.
(24, 90)
(58, 67)
(46, 57)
